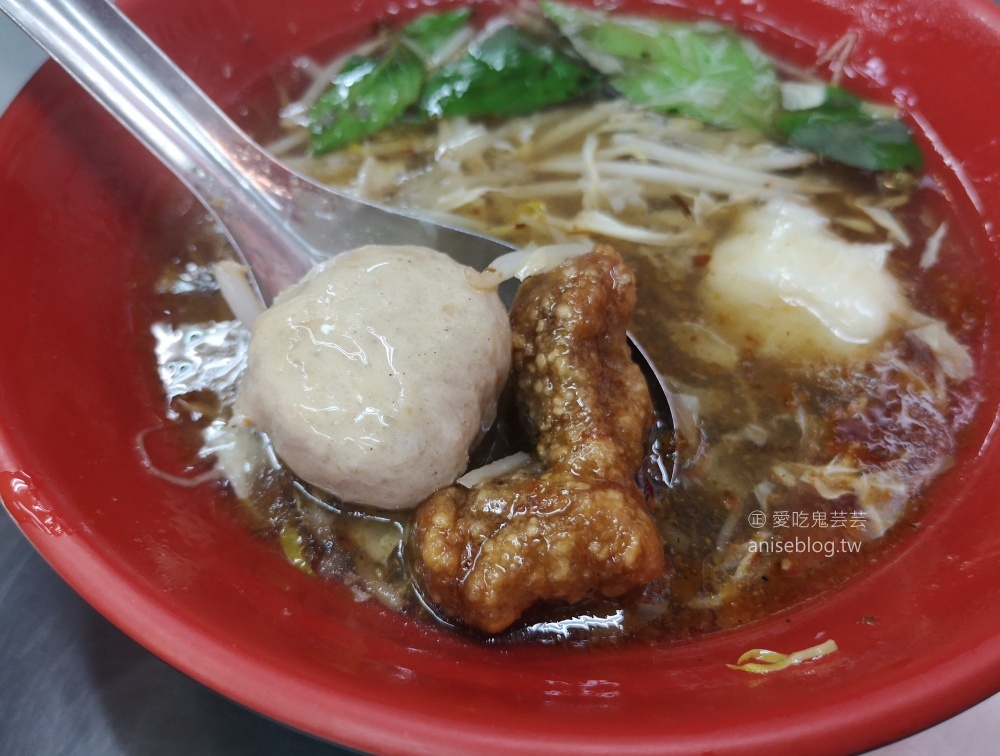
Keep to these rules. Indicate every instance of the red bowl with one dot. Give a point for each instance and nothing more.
(83, 207)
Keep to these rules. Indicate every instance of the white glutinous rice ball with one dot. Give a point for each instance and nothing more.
(784, 284)
(376, 374)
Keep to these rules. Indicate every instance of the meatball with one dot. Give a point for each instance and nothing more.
(375, 375)
(573, 522)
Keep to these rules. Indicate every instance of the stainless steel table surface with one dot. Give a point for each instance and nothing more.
(71, 683)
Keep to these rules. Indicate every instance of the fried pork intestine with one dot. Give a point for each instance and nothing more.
(573, 522)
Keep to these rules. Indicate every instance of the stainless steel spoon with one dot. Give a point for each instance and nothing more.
(280, 222)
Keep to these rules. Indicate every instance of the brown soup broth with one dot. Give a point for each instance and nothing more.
(729, 498)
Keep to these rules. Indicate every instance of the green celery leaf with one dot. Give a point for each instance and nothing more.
(429, 32)
(508, 73)
(699, 70)
(843, 128)
(368, 94)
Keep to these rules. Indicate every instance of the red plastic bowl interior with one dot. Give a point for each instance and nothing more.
(80, 201)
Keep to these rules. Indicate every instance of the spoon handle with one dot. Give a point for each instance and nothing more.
(279, 221)
(120, 67)
(241, 184)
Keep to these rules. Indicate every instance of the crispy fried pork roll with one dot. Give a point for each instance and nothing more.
(572, 523)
